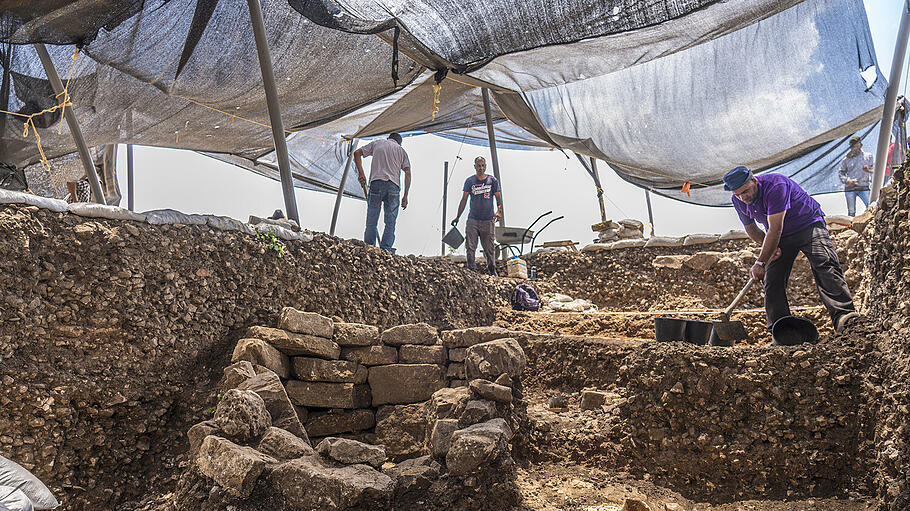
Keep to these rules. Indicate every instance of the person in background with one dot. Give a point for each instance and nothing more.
(794, 222)
(389, 160)
(481, 188)
(856, 174)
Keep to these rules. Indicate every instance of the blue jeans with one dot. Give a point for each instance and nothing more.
(384, 194)
(851, 200)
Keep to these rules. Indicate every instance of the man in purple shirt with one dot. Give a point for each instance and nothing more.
(793, 223)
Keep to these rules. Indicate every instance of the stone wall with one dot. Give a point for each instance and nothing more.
(716, 424)
(888, 263)
(438, 447)
(113, 333)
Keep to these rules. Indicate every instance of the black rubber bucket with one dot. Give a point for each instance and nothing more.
(717, 341)
(670, 329)
(792, 331)
(698, 332)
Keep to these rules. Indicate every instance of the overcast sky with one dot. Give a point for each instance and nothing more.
(533, 183)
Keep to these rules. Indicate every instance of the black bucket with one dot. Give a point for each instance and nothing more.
(717, 341)
(698, 332)
(670, 329)
(793, 330)
(453, 238)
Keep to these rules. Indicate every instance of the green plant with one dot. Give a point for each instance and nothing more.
(210, 412)
(273, 243)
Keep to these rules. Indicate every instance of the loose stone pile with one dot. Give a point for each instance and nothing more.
(445, 408)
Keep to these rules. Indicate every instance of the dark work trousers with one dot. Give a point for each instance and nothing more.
(484, 230)
(815, 243)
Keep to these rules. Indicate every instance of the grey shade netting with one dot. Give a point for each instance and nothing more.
(666, 92)
(125, 87)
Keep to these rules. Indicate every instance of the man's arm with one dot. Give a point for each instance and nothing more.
(755, 234)
(498, 214)
(407, 186)
(464, 200)
(358, 164)
(769, 249)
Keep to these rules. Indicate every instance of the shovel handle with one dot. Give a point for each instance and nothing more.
(739, 297)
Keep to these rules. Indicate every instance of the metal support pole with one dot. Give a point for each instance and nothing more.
(650, 213)
(130, 204)
(445, 197)
(57, 85)
(271, 96)
(344, 178)
(884, 130)
(600, 191)
(492, 138)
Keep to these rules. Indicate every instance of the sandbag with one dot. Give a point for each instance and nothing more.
(734, 234)
(839, 219)
(14, 499)
(664, 241)
(171, 217)
(629, 223)
(629, 244)
(700, 239)
(282, 233)
(597, 247)
(224, 223)
(11, 197)
(93, 210)
(14, 475)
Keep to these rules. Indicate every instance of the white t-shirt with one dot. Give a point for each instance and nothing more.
(389, 159)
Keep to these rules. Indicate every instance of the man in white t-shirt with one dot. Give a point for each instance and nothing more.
(389, 160)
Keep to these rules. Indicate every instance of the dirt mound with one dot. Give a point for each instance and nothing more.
(114, 333)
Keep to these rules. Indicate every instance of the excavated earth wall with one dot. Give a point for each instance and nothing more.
(715, 424)
(888, 263)
(113, 333)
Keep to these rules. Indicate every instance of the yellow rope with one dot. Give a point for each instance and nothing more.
(64, 100)
(437, 88)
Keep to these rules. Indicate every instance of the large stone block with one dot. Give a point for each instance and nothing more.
(349, 452)
(421, 354)
(340, 421)
(235, 374)
(441, 436)
(233, 467)
(337, 371)
(356, 334)
(307, 483)
(328, 395)
(198, 432)
(457, 354)
(308, 323)
(492, 391)
(241, 415)
(402, 430)
(268, 386)
(258, 351)
(284, 445)
(371, 355)
(418, 333)
(455, 371)
(488, 360)
(473, 446)
(447, 403)
(405, 383)
(470, 336)
(293, 344)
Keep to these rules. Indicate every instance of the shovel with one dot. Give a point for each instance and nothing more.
(727, 331)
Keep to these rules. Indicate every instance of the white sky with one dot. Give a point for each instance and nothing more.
(533, 183)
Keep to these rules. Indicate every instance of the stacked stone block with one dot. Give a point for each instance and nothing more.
(345, 378)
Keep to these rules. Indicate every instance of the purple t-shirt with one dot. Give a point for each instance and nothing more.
(777, 193)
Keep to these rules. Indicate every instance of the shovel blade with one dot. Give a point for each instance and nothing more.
(730, 330)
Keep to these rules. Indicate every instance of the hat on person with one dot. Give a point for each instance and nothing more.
(855, 140)
(736, 178)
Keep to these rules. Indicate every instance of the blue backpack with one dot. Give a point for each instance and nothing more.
(524, 298)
